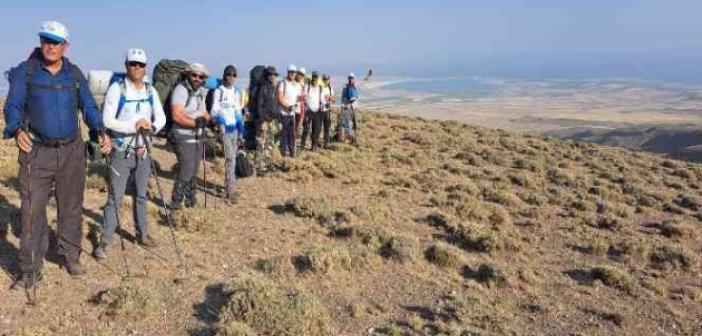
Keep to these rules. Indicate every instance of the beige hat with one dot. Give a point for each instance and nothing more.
(198, 68)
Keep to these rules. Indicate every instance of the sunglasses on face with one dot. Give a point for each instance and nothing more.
(198, 76)
(135, 64)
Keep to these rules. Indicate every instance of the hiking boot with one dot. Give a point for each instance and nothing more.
(232, 197)
(100, 252)
(147, 241)
(177, 198)
(189, 193)
(27, 280)
(75, 269)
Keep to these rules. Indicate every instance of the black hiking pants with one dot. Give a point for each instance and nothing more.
(287, 135)
(44, 169)
(313, 120)
(326, 122)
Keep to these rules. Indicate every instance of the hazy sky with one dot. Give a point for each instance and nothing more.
(551, 38)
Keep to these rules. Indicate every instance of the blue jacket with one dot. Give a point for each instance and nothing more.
(349, 94)
(51, 112)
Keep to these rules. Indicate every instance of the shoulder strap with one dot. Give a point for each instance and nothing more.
(29, 76)
(122, 97)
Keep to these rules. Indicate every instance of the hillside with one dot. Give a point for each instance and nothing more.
(679, 142)
(427, 228)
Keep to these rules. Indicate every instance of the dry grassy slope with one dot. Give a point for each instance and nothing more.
(428, 228)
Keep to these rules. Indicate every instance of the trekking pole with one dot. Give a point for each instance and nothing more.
(354, 139)
(110, 190)
(31, 296)
(204, 164)
(167, 213)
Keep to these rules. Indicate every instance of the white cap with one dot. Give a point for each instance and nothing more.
(54, 30)
(292, 68)
(352, 75)
(303, 71)
(136, 55)
(198, 68)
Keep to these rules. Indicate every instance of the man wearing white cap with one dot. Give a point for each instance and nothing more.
(132, 106)
(190, 118)
(349, 100)
(52, 153)
(288, 96)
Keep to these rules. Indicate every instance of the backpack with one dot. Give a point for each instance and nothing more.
(244, 166)
(256, 79)
(166, 76)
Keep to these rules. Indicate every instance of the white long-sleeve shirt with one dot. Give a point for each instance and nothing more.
(136, 107)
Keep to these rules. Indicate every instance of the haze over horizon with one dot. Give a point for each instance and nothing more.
(512, 38)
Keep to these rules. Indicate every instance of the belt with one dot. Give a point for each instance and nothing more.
(54, 143)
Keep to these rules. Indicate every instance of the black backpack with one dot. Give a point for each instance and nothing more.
(255, 80)
(244, 165)
(167, 74)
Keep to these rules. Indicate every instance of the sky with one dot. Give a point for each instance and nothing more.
(653, 39)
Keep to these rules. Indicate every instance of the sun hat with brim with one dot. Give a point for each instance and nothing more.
(198, 68)
(302, 71)
(54, 31)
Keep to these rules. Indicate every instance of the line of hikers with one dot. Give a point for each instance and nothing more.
(41, 113)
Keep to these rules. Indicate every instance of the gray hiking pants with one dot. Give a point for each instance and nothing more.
(189, 151)
(43, 169)
(231, 148)
(121, 168)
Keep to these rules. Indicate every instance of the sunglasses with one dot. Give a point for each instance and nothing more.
(230, 75)
(198, 76)
(135, 64)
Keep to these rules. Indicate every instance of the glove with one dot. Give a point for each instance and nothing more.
(200, 122)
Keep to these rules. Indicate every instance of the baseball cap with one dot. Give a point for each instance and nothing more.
(136, 55)
(54, 31)
(352, 75)
(303, 71)
(315, 74)
(271, 70)
(198, 68)
(326, 76)
(292, 68)
(230, 70)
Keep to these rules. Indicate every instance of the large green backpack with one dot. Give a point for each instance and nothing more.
(167, 74)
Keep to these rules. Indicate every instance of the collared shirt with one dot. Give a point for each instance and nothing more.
(51, 113)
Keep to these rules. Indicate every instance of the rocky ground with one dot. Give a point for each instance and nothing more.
(426, 228)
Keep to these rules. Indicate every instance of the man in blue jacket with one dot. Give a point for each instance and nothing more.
(41, 113)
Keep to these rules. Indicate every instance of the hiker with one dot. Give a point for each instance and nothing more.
(328, 97)
(228, 101)
(190, 118)
(41, 113)
(349, 102)
(313, 116)
(288, 95)
(300, 112)
(266, 111)
(132, 106)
